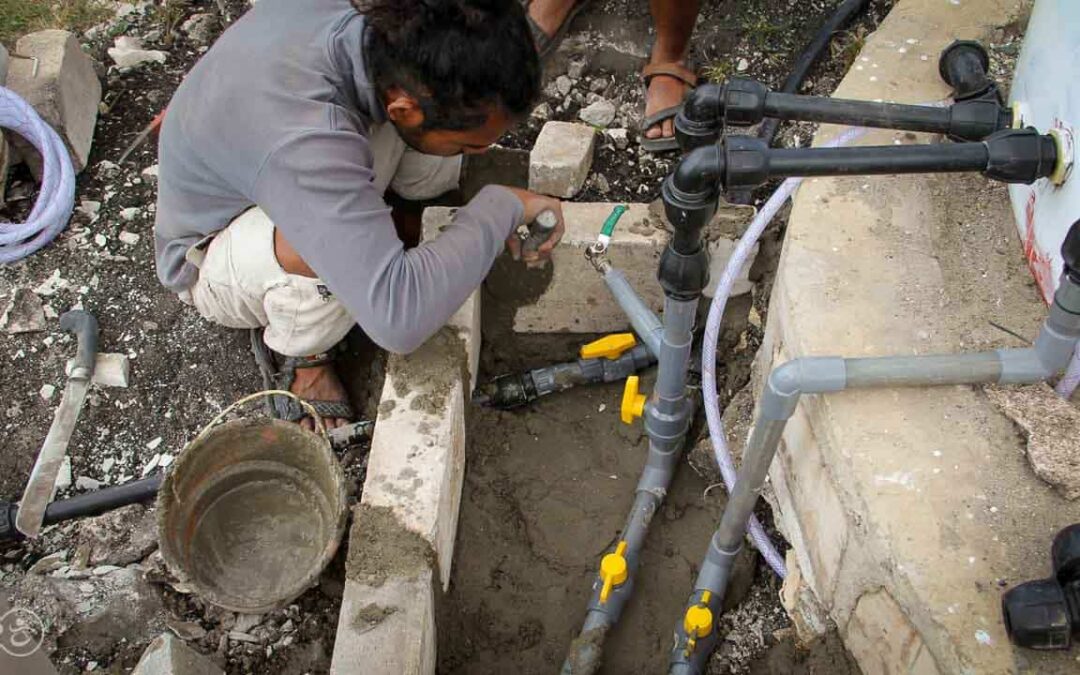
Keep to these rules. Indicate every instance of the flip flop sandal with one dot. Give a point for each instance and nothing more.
(679, 72)
(545, 44)
(283, 375)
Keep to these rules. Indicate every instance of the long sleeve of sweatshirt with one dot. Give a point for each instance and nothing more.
(317, 188)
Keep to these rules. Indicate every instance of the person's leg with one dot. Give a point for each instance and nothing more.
(674, 21)
(549, 15)
(247, 280)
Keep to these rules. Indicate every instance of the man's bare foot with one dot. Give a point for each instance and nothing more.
(550, 14)
(320, 383)
(664, 92)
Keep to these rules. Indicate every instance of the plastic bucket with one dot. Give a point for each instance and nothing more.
(252, 511)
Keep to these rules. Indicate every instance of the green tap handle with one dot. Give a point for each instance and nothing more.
(609, 224)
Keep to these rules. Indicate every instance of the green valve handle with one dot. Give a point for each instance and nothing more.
(609, 224)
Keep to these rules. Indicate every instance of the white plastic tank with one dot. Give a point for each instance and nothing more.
(1046, 93)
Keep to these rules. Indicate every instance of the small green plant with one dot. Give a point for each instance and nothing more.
(846, 46)
(18, 17)
(168, 15)
(717, 72)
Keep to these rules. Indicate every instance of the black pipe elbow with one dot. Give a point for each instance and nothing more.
(690, 194)
(698, 122)
(1070, 252)
(964, 66)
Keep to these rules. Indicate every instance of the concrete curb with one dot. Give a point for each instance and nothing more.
(907, 510)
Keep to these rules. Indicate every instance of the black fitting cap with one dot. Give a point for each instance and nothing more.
(1020, 156)
(683, 276)
(1037, 615)
(1070, 252)
(964, 66)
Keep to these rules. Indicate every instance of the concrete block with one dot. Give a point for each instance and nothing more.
(882, 639)
(417, 460)
(569, 295)
(386, 628)
(466, 321)
(110, 370)
(65, 91)
(168, 655)
(561, 158)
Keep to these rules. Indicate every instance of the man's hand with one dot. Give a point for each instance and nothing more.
(534, 204)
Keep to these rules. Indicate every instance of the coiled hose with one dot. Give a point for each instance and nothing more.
(712, 337)
(55, 199)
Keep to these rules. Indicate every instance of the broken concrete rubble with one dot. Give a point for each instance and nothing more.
(93, 613)
(1048, 423)
(168, 655)
(120, 537)
(128, 52)
(60, 83)
(24, 314)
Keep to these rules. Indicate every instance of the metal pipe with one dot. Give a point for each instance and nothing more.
(1049, 355)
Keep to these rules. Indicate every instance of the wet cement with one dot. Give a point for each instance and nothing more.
(381, 546)
(546, 492)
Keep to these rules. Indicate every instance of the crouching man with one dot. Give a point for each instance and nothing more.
(284, 144)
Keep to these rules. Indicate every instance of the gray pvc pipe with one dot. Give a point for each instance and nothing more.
(1050, 354)
(667, 419)
(646, 324)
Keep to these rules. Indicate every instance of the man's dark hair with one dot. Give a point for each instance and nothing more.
(458, 58)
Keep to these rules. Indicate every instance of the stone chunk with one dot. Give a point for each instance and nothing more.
(599, 113)
(110, 370)
(24, 314)
(168, 655)
(561, 159)
(65, 91)
(1049, 422)
(128, 52)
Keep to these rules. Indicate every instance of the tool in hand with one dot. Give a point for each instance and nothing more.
(608, 359)
(154, 126)
(39, 489)
(539, 231)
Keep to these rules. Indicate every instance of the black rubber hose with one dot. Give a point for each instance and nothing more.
(809, 56)
(88, 504)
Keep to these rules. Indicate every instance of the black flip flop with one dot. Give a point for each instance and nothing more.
(282, 376)
(684, 75)
(545, 44)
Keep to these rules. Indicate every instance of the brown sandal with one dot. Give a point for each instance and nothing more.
(679, 72)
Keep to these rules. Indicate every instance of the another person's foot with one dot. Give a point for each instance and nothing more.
(320, 383)
(667, 86)
(549, 18)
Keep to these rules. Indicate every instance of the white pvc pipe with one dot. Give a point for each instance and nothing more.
(56, 197)
(712, 337)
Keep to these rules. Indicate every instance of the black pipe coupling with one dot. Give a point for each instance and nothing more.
(1020, 156)
(690, 195)
(1045, 614)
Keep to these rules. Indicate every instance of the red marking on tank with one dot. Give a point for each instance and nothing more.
(1038, 261)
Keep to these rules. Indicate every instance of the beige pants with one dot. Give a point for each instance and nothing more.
(241, 284)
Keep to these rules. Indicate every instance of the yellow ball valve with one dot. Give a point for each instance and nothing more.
(613, 571)
(698, 621)
(609, 347)
(633, 403)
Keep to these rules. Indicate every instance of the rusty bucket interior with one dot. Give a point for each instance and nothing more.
(251, 512)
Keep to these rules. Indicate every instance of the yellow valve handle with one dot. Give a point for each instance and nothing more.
(613, 571)
(698, 621)
(609, 347)
(633, 403)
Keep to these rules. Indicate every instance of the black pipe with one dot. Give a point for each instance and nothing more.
(1010, 156)
(843, 14)
(964, 66)
(87, 504)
